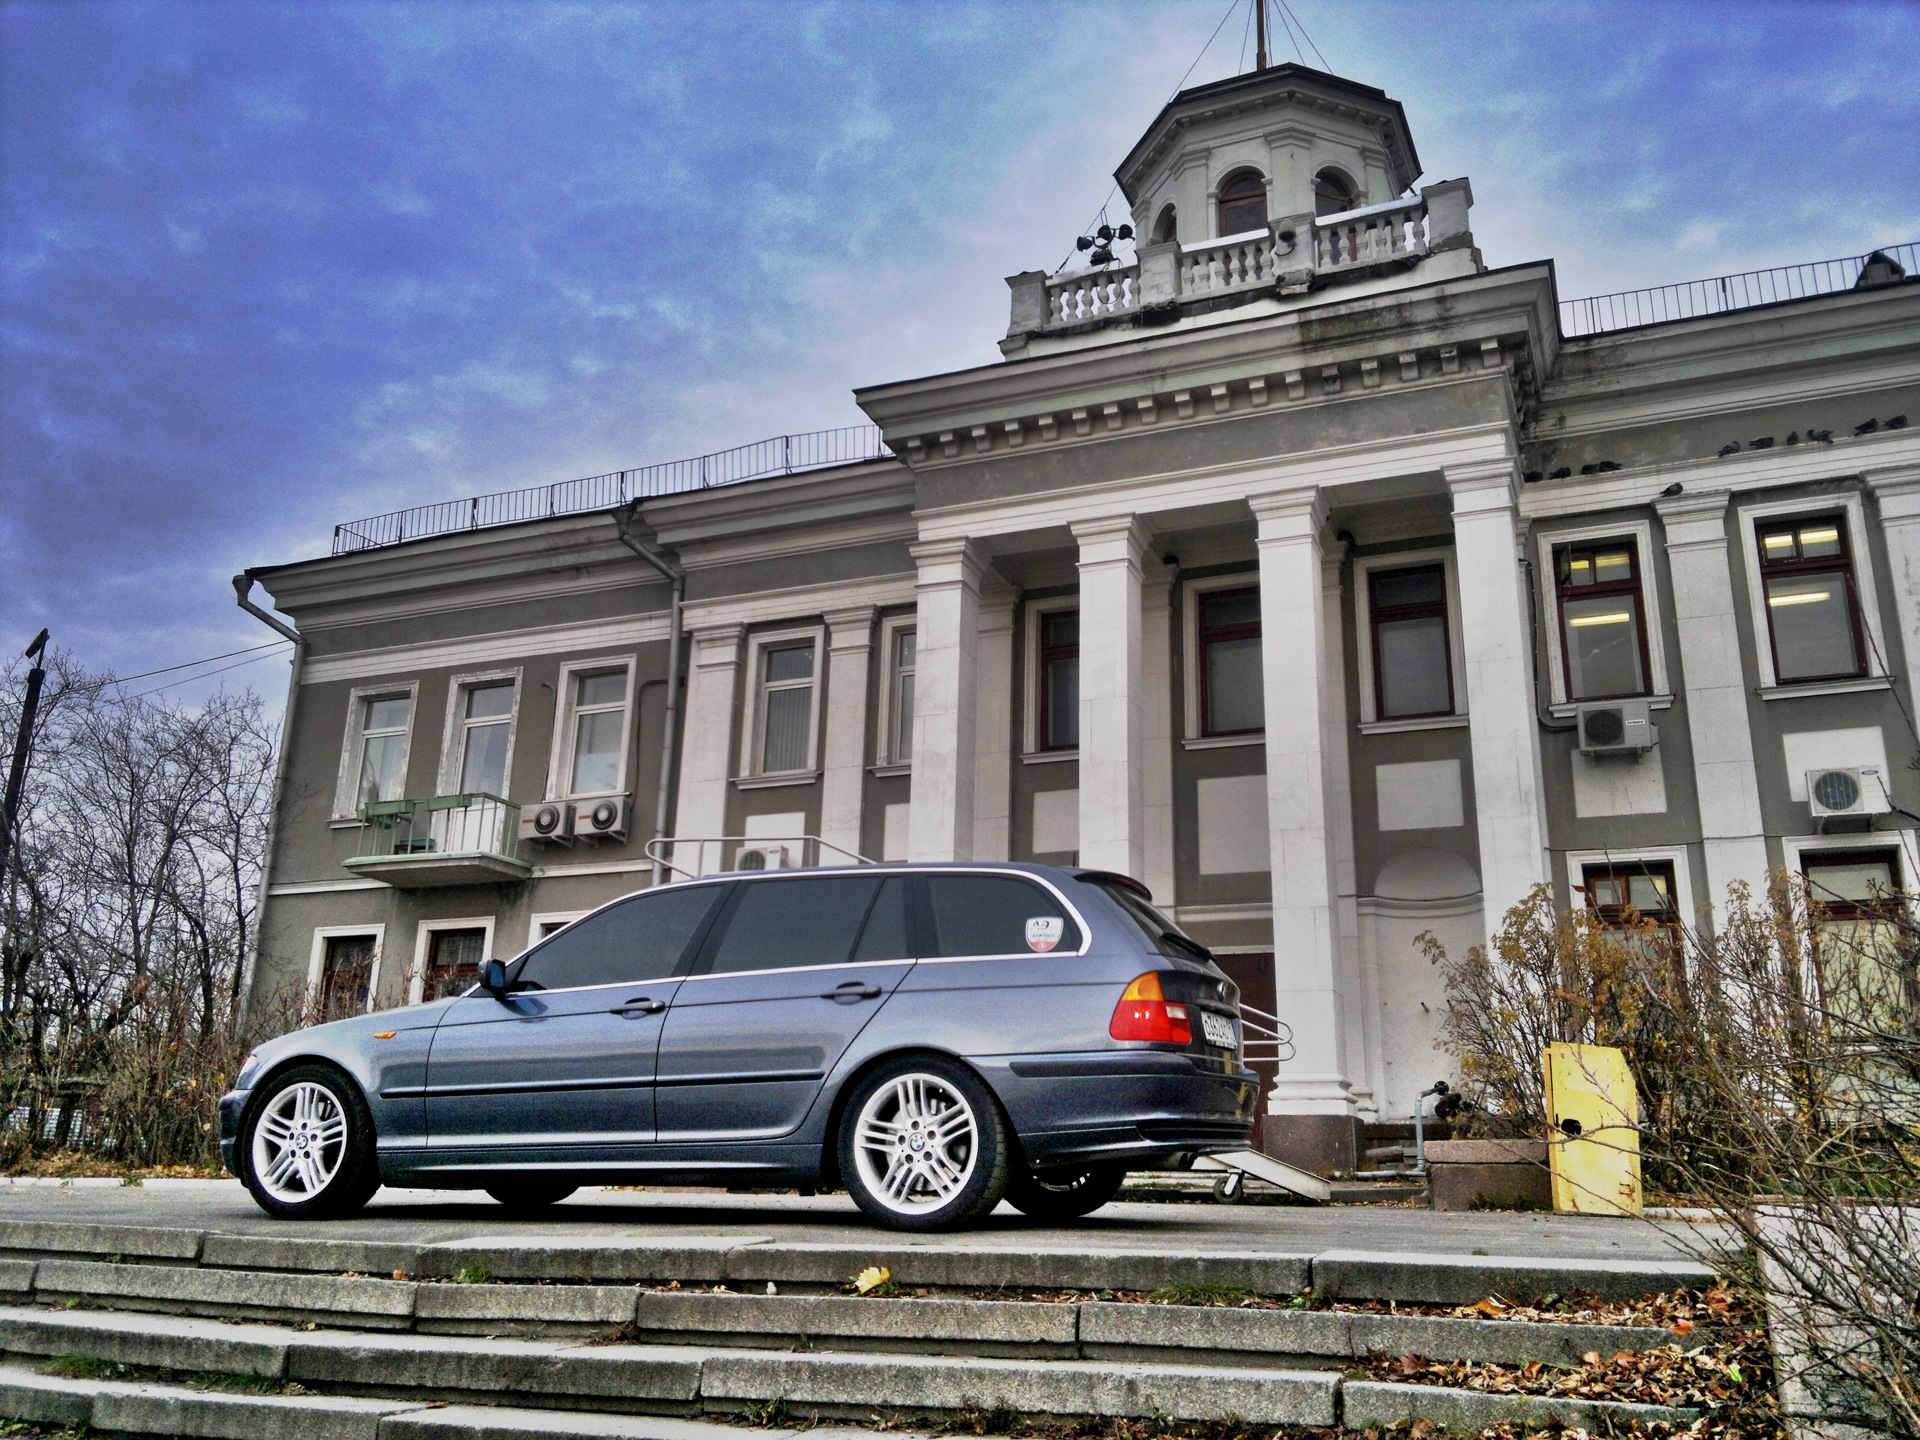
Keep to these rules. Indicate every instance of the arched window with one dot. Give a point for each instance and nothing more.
(1167, 227)
(1243, 203)
(1333, 193)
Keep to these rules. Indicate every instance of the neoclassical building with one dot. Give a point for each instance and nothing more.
(1336, 585)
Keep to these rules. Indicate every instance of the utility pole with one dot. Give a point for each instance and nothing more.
(22, 744)
(1260, 29)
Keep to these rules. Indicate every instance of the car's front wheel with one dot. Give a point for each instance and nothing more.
(1064, 1194)
(531, 1194)
(923, 1145)
(307, 1146)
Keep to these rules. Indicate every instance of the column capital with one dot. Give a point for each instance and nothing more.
(1290, 514)
(948, 562)
(710, 640)
(1897, 488)
(1696, 520)
(1485, 485)
(852, 628)
(1111, 540)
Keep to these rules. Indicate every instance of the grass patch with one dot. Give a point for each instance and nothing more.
(473, 1275)
(1201, 1295)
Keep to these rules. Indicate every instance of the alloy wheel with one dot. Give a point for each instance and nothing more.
(299, 1142)
(916, 1142)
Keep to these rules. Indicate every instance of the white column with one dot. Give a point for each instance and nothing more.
(1358, 1008)
(843, 771)
(1156, 728)
(706, 759)
(1299, 784)
(1715, 685)
(1898, 492)
(1112, 798)
(945, 707)
(993, 724)
(1494, 635)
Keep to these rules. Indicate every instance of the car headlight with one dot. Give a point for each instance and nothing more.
(249, 1068)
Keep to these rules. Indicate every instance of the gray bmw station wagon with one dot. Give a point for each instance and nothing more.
(935, 1038)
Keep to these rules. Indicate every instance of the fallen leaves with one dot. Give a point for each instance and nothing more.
(871, 1278)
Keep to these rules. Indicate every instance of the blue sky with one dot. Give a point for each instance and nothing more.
(271, 266)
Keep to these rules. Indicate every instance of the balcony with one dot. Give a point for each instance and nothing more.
(1289, 257)
(448, 840)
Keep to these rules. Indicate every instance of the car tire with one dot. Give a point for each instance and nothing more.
(531, 1193)
(1064, 1194)
(306, 1146)
(923, 1145)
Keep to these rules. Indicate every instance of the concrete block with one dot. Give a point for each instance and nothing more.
(799, 1317)
(1203, 1327)
(486, 1422)
(339, 1257)
(1370, 1404)
(1057, 1387)
(979, 1267)
(164, 1410)
(56, 1237)
(168, 1342)
(383, 1304)
(1499, 1187)
(1486, 1152)
(1463, 1279)
(507, 1309)
(48, 1399)
(585, 1258)
(1496, 1342)
(16, 1278)
(444, 1364)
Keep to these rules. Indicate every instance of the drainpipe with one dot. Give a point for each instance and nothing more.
(242, 586)
(676, 639)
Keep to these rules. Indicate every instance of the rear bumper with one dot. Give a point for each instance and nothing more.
(1134, 1107)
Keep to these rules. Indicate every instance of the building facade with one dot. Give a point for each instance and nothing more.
(1339, 587)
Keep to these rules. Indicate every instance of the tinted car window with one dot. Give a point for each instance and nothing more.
(807, 921)
(638, 939)
(1159, 932)
(885, 934)
(989, 915)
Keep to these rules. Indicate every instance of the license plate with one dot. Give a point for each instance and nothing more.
(1217, 1029)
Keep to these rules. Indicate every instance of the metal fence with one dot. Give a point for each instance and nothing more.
(782, 455)
(1628, 309)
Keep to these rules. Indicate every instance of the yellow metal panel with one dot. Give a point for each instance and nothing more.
(1595, 1113)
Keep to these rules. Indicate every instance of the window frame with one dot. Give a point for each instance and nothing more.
(1192, 685)
(1904, 845)
(1632, 586)
(559, 919)
(754, 721)
(1675, 857)
(1364, 566)
(1844, 564)
(317, 957)
(346, 794)
(1377, 614)
(889, 751)
(453, 741)
(1872, 635)
(1653, 615)
(423, 947)
(1220, 201)
(1356, 198)
(560, 761)
(1031, 727)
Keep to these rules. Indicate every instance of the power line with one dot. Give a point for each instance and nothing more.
(184, 679)
(1287, 10)
(190, 664)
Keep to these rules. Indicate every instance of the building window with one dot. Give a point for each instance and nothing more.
(346, 975)
(1412, 660)
(784, 710)
(453, 961)
(1860, 922)
(1243, 203)
(596, 752)
(1602, 625)
(902, 647)
(486, 723)
(1640, 900)
(1059, 680)
(1166, 229)
(1333, 193)
(1813, 618)
(1227, 636)
(384, 723)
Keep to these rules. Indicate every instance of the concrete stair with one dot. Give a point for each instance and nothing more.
(166, 1332)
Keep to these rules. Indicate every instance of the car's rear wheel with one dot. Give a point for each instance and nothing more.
(1064, 1194)
(923, 1145)
(531, 1193)
(306, 1146)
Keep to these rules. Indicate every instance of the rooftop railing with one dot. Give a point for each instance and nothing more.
(782, 455)
(1630, 309)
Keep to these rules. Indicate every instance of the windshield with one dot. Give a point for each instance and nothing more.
(1161, 932)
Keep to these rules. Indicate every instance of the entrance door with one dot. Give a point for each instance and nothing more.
(562, 1068)
(800, 966)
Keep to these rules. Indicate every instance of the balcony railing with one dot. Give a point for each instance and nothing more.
(782, 455)
(1662, 304)
(469, 839)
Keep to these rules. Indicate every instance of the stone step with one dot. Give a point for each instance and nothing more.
(1091, 1329)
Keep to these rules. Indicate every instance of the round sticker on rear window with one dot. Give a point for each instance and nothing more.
(1044, 931)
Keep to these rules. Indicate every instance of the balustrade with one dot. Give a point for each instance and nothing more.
(1236, 262)
(1092, 295)
(1394, 231)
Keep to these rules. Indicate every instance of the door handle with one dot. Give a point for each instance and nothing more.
(853, 990)
(639, 1005)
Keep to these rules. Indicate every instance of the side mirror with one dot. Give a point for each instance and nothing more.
(493, 978)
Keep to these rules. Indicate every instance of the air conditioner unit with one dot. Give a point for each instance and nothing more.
(1855, 790)
(762, 857)
(1615, 727)
(601, 819)
(550, 823)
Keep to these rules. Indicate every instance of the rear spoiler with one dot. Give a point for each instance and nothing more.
(1117, 880)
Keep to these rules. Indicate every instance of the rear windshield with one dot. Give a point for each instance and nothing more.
(1158, 929)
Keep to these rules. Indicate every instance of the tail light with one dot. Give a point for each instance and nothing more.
(1145, 1014)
